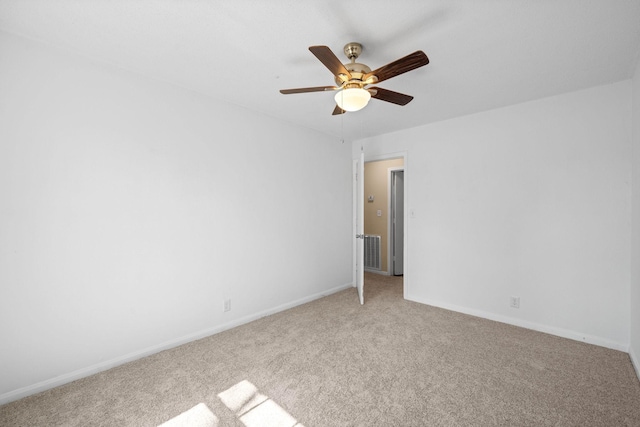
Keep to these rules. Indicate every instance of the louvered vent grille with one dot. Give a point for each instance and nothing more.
(372, 252)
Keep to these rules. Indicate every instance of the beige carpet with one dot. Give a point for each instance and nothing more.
(333, 362)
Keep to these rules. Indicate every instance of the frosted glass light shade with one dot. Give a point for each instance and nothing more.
(352, 99)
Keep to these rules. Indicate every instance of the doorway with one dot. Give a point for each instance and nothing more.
(384, 215)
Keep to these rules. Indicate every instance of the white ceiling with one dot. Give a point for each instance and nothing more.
(484, 54)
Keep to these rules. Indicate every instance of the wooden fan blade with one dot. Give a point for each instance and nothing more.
(410, 62)
(390, 96)
(308, 89)
(330, 60)
(337, 111)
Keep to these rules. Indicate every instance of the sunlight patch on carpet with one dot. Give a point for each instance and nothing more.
(198, 416)
(255, 409)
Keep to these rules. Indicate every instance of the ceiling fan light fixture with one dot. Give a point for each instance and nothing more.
(352, 99)
(352, 78)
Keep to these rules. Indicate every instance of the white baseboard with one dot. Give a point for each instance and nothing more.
(635, 361)
(564, 333)
(383, 273)
(103, 366)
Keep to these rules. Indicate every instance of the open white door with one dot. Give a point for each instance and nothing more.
(359, 204)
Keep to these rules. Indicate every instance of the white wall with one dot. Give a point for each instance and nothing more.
(531, 200)
(131, 209)
(634, 350)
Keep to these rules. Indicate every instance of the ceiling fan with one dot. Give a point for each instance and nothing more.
(353, 78)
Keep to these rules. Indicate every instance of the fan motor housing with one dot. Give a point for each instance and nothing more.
(356, 70)
(352, 51)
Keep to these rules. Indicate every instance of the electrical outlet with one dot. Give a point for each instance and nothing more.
(514, 302)
(227, 305)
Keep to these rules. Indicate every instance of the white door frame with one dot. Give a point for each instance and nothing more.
(389, 220)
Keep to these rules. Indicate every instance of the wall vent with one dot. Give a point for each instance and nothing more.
(372, 252)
